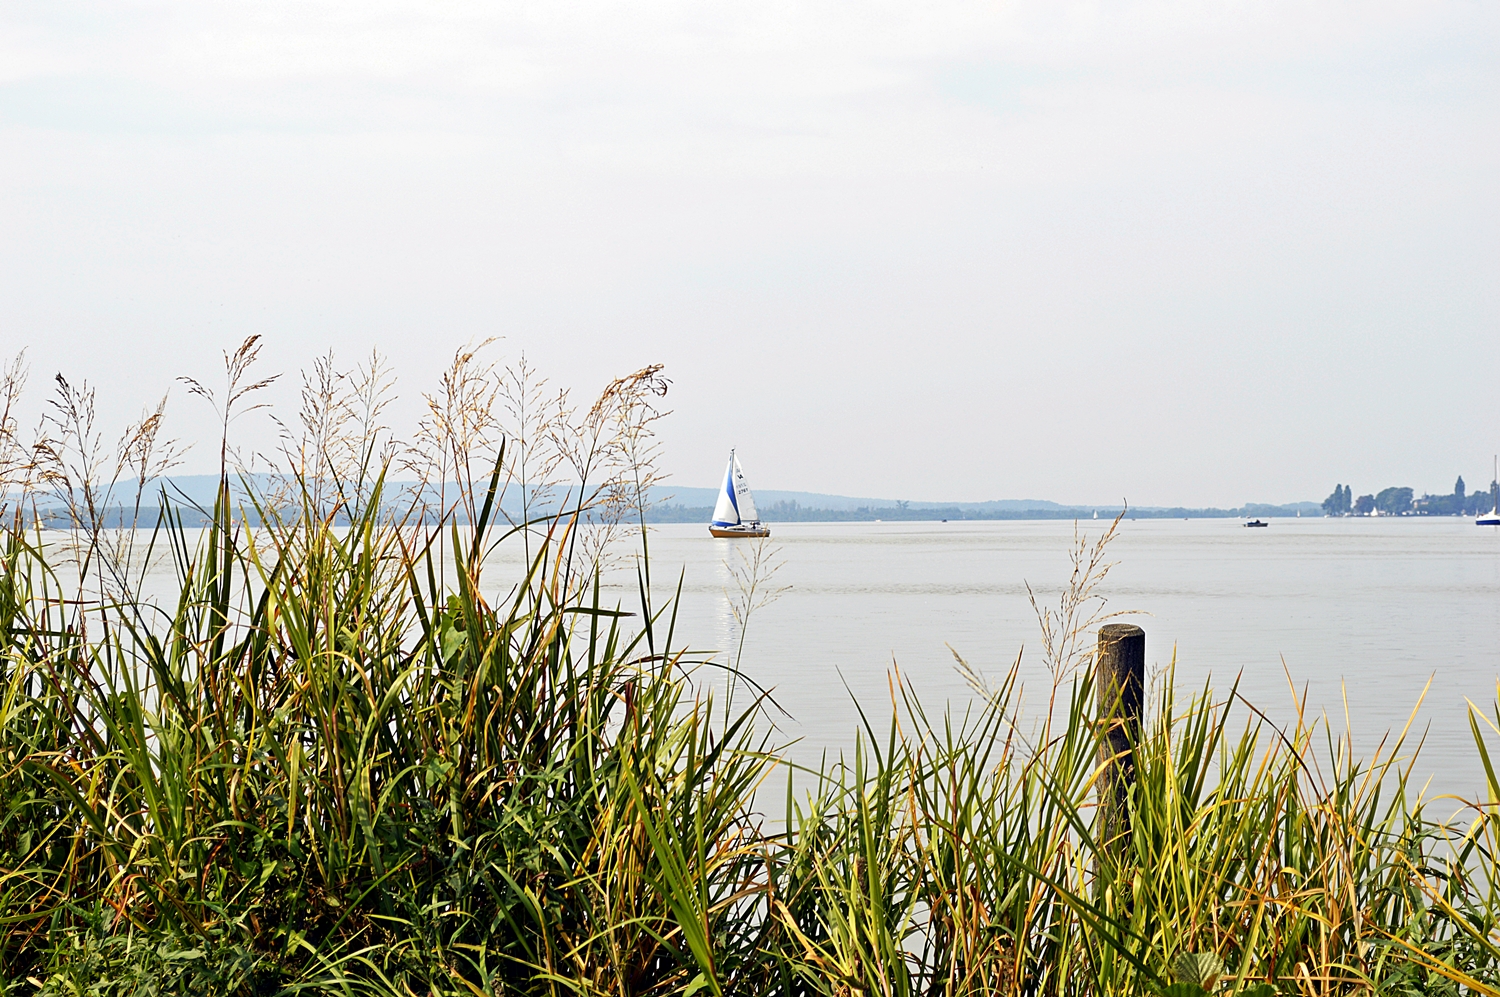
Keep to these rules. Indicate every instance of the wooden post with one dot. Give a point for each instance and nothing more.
(1120, 675)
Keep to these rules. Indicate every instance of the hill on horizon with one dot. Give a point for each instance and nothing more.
(669, 495)
(200, 489)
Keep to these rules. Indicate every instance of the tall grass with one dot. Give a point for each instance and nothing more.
(335, 760)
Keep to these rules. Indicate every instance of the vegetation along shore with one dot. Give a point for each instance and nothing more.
(338, 756)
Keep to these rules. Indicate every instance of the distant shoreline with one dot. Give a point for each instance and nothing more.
(192, 497)
(117, 517)
(797, 514)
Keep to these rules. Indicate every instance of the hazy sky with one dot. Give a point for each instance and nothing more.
(1198, 253)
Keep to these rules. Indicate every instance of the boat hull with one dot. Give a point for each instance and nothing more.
(1491, 520)
(744, 530)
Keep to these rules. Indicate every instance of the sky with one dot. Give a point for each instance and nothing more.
(1179, 253)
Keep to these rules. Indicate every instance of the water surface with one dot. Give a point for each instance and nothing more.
(1350, 612)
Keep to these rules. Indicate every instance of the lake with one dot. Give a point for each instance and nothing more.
(1357, 612)
(1360, 612)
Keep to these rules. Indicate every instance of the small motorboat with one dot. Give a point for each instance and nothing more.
(1493, 519)
(735, 514)
(1257, 522)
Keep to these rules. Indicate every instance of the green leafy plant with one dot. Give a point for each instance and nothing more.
(1196, 974)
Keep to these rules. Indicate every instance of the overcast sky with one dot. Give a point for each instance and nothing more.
(1197, 253)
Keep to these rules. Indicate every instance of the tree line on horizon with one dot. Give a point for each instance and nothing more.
(794, 512)
(1399, 501)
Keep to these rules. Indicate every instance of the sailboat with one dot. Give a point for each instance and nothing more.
(734, 513)
(1493, 519)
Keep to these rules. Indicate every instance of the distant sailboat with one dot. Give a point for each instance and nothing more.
(1493, 519)
(735, 514)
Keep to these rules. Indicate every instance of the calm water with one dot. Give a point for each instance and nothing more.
(1356, 611)
(1360, 611)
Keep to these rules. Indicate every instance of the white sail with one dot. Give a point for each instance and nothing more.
(726, 511)
(743, 500)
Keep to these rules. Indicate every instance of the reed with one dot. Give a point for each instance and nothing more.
(339, 758)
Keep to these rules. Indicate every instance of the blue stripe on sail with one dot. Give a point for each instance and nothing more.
(729, 490)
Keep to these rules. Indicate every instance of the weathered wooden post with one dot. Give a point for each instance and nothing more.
(1120, 675)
